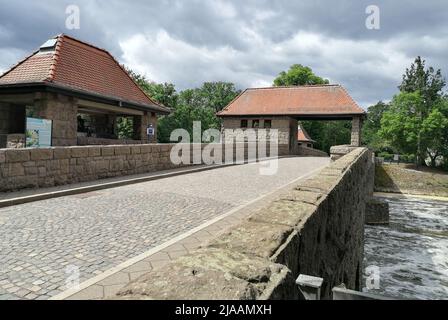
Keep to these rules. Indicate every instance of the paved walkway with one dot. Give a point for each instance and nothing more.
(45, 244)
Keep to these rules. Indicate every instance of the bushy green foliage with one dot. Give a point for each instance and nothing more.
(328, 133)
(125, 127)
(298, 75)
(199, 104)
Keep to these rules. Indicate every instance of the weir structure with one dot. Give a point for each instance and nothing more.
(317, 229)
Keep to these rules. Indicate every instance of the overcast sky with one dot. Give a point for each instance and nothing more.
(247, 42)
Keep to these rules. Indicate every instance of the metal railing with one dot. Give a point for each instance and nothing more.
(311, 289)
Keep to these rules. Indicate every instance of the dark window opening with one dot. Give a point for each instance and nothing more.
(267, 124)
(243, 123)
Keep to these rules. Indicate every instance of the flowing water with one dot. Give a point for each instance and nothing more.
(412, 252)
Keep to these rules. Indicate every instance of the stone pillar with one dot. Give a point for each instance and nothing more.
(4, 118)
(63, 110)
(140, 125)
(112, 124)
(356, 132)
(153, 122)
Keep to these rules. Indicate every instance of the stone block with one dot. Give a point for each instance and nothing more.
(2, 156)
(79, 152)
(253, 238)
(145, 148)
(41, 154)
(136, 150)
(101, 166)
(320, 184)
(64, 166)
(122, 150)
(17, 155)
(211, 274)
(61, 153)
(107, 151)
(283, 212)
(16, 169)
(94, 151)
(116, 165)
(23, 182)
(377, 212)
(30, 171)
(309, 197)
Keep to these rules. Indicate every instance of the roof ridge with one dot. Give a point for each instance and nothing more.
(55, 61)
(64, 35)
(231, 102)
(351, 98)
(296, 87)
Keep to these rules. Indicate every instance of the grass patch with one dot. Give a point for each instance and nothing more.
(405, 178)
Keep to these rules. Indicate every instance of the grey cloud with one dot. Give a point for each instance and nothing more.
(248, 33)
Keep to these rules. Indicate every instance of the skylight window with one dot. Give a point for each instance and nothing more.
(48, 46)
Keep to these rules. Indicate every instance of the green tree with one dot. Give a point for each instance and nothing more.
(372, 125)
(217, 95)
(435, 132)
(328, 133)
(413, 129)
(428, 82)
(125, 127)
(416, 122)
(298, 75)
(199, 104)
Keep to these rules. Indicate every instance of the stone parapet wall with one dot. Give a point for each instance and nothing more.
(48, 167)
(310, 152)
(90, 141)
(317, 229)
(282, 124)
(337, 152)
(36, 168)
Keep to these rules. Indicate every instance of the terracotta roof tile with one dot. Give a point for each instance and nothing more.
(303, 136)
(80, 66)
(300, 100)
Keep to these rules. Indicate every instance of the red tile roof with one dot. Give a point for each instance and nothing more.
(325, 100)
(303, 136)
(80, 66)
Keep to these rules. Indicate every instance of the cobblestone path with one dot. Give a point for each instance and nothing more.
(43, 244)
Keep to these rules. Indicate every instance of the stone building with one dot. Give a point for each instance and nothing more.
(82, 89)
(282, 107)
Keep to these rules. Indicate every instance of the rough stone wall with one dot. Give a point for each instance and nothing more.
(317, 229)
(337, 152)
(63, 111)
(377, 212)
(310, 152)
(356, 131)
(282, 124)
(36, 168)
(4, 118)
(33, 168)
(90, 141)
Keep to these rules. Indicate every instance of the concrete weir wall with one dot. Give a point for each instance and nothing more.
(317, 229)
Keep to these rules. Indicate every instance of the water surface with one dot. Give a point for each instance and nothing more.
(412, 252)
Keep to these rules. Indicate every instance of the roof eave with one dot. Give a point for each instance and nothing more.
(30, 87)
(298, 115)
